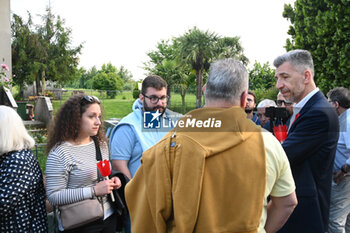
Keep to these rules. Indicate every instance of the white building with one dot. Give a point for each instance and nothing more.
(5, 35)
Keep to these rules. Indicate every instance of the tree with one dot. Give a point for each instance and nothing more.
(163, 62)
(110, 82)
(108, 68)
(87, 78)
(79, 80)
(323, 28)
(26, 49)
(124, 74)
(230, 47)
(43, 52)
(261, 76)
(199, 49)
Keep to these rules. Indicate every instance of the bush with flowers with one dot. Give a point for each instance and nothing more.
(4, 81)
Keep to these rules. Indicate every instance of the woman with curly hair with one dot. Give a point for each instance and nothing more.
(71, 171)
(22, 192)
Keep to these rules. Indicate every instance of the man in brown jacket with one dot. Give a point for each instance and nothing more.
(214, 171)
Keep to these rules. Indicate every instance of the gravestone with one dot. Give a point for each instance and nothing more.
(43, 110)
(6, 98)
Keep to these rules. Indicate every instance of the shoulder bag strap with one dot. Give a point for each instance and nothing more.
(98, 156)
(98, 150)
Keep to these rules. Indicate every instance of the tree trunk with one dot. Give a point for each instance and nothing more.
(37, 85)
(199, 81)
(21, 91)
(183, 99)
(183, 95)
(43, 86)
(169, 94)
(183, 103)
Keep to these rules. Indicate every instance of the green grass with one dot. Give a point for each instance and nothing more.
(121, 105)
(118, 107)
(42, 158)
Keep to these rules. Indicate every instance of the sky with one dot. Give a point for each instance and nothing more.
(122, 32)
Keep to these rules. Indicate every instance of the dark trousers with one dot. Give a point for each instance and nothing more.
(100, 226)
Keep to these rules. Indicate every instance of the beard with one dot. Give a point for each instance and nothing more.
(147, 108)
(248, 110)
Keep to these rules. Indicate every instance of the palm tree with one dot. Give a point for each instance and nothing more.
(198, 48)
(230, 47)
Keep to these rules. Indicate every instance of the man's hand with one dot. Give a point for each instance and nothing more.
(338, 176)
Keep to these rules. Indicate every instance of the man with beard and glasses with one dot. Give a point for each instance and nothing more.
(129, 139)
(250, 106)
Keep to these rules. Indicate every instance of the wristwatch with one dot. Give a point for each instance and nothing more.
(93, 193)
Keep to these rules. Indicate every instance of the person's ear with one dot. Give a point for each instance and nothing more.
(141, 97)
(336, 104)
(307, 76)
(244, 99)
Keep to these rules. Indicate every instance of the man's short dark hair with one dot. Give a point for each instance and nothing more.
(340, 95)
(253, 94)
(153, 81)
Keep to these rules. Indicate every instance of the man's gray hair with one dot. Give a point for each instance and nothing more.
(300, 59)
(227, 80)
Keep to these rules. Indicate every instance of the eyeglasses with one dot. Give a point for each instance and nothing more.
(280, 102)
(154, 99)
(90, 99)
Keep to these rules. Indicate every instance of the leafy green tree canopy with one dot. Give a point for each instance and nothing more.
(199, 48)
(43, 52)
(261, 76)
(323, 28)
(110, 82)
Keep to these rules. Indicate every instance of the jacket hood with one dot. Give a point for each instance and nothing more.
(217, 129)
(137, 106)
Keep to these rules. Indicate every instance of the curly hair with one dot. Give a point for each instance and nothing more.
(66, 124)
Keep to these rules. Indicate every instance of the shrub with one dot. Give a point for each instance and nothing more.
(136, 92)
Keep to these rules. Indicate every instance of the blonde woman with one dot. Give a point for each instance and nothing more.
(22, 193)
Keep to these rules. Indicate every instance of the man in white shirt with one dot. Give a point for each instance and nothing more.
(311, 141)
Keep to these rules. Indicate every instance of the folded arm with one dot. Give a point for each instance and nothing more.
(278, 211)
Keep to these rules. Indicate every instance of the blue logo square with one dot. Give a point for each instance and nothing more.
(151, 120)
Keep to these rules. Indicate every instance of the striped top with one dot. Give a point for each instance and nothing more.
(71, 171)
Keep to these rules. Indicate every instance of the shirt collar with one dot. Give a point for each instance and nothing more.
(301, 104)
(344, 114)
